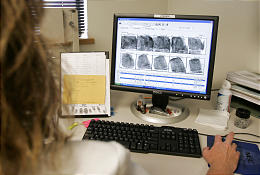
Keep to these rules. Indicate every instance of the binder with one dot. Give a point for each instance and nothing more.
(85, 84)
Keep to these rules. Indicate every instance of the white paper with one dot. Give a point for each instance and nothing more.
(213, 118)
(164, 16)
(83, 63)
(92, 63)
(107, 103)
(245, 78)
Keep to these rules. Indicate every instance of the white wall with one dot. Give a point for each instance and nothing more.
(100, 14)
(238, 36)
(259, 38)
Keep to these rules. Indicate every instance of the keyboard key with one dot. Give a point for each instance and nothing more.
(139, 146)
(133, 145)
(153, 147)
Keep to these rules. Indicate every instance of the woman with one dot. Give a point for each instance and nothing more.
(28, 91)
(29, 103)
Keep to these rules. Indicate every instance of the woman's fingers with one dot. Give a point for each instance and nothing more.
(229, 138)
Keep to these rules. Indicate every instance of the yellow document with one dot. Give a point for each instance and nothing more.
(84, 89)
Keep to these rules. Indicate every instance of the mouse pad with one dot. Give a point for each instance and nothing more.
(249, 161)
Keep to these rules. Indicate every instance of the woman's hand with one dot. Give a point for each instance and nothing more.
(222, 157)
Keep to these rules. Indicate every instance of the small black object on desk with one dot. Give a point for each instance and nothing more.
(242, 118)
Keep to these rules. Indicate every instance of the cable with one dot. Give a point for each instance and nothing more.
(241, 133)
(237, 138)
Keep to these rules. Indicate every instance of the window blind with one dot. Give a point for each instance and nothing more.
(80, 5)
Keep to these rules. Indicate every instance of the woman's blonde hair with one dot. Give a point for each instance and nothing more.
(29, 94)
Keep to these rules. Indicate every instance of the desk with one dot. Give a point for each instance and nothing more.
(157, 164)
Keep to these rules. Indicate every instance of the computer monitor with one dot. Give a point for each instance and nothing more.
(164, 55)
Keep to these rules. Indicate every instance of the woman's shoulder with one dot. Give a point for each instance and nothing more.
(92, 152)
(94, 157)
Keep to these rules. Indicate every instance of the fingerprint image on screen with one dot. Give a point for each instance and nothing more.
(144, 43)
(177, 65)
(195, 44)
(161, 44)
(178, 45)
(143, 62)
(128, 42)
(160, 63)
(127, 61)
(195, 65)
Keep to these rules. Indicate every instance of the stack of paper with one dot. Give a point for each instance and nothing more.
(214, 118)
(245, 85)
(245, 93)
(245, 78)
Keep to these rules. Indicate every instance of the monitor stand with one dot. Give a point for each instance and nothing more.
(159, 110)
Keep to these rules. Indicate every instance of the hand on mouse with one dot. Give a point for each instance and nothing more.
(222, 157)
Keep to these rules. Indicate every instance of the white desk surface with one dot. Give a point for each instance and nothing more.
(157, 164)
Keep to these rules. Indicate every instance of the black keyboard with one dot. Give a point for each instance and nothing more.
(147, 138)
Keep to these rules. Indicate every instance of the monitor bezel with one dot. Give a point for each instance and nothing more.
(206, 96)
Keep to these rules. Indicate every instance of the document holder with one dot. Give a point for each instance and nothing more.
(85, 84)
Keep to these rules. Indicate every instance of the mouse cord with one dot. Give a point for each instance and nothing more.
(239, 133)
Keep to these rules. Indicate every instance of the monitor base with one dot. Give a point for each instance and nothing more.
(175, 113)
